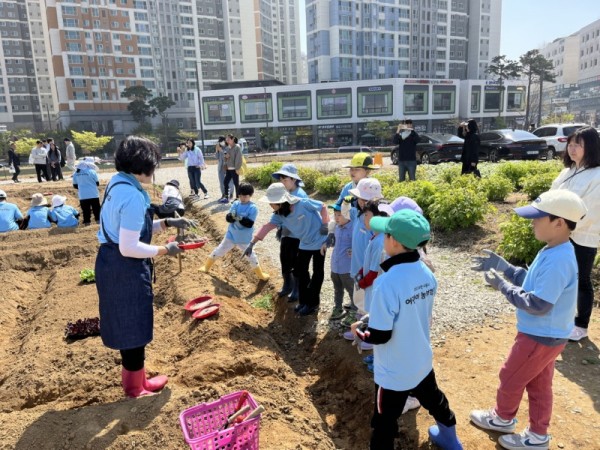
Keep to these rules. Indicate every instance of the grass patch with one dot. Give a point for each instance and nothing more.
(264, 302)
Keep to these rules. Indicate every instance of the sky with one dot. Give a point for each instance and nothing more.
(528, 24)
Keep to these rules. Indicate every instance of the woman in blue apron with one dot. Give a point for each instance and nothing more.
(124, 262)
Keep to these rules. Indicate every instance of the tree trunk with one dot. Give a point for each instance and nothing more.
(528, 100)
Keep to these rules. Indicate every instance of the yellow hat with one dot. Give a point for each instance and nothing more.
(363, 161)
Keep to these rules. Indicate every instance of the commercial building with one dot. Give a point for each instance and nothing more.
(321, 115)
(374, 39)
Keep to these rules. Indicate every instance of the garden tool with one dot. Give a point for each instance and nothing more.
(179, 239)
(234, 416)
(260, 409)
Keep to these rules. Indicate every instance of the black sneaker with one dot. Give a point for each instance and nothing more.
(307, 310)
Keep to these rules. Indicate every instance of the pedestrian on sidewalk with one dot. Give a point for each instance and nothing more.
(14, 160)
(233, 162)
(195, 164)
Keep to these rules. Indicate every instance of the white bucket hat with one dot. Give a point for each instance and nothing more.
(38, 199)
(367, 189)
(58, 200)
(277, 193)
(87, 162)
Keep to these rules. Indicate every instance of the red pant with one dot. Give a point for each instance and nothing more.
(530, 366)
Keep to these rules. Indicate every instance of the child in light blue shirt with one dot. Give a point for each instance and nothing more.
(63, 215)
(241, 217)
(85, 180)
(39, 213)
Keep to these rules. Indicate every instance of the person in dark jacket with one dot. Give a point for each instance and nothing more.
(469, 131)
(15, 161)
(406, 138)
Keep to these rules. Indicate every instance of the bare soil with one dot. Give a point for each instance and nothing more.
(59, 394)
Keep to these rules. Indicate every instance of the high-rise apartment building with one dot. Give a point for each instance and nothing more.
(371, 39)
(71, 60)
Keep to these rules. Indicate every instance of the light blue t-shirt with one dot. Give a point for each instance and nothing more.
(300, 193)
(87, 183)
(193, 157)
(125, 207)
(9, 213)
(304, 222)
(237, 232)
(65, 216)
(552, 277)
(403, 302)
(360, 239)
(345, 192)
(373, 258)
(340, 256)
(38, 217)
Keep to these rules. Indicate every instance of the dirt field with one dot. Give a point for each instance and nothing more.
(56, 394)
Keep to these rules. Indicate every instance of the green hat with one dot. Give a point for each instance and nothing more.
(361, 161)
(406, 226)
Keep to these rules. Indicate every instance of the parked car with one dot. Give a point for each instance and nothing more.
(434, 148)
(354, 149)
(511, 144)
(556, 136)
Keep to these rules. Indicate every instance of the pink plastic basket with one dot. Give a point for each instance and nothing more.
(201, 424)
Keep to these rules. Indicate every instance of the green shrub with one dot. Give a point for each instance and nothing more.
(420, 191)
(519, 244)
(261, 176)
(456, 207)
(330, 185)
(468, 181)
(496, 187)
(534, 185)
(386, 177)
(309, 177)
(448, 173)
(514, 171)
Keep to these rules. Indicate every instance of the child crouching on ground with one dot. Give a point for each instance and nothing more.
(399, 327)
(241, 218)
(63, 215)
(340, 262)
(545, 296)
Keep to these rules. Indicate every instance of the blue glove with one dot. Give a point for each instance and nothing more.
(493, 278)
(249, 249)
(330, 242)
(491, 261)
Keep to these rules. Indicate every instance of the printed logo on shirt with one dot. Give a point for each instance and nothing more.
(301, 217)
(421, 293)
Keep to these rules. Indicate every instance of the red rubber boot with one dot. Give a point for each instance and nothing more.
(155, 383)
(133, 383)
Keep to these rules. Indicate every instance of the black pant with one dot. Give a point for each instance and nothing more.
(468, 168)
(309, 288)
(585, 293)
(389, 405)
(88, 206)
(288, 254)
(231, 175)
(133, 359)
(56, 172)
(15, 176)
(41, 170)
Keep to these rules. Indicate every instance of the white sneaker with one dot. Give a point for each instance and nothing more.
(206, 196)
(527, 439)
(489, 420)
(411, 403)
(578, 334)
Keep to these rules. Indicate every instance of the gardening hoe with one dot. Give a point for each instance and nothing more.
(179, 235)
(234, 416)
(260, 409)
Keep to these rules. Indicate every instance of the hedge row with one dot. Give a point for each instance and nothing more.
(450, 201)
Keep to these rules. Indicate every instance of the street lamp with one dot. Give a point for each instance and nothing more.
(199, 104)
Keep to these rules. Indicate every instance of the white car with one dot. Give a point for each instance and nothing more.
(556, 136)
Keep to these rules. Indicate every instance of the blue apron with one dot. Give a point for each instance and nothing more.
(125, 291)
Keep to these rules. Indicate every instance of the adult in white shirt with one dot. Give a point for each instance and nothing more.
(582, 176)
(70, 155)
(39, 159)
